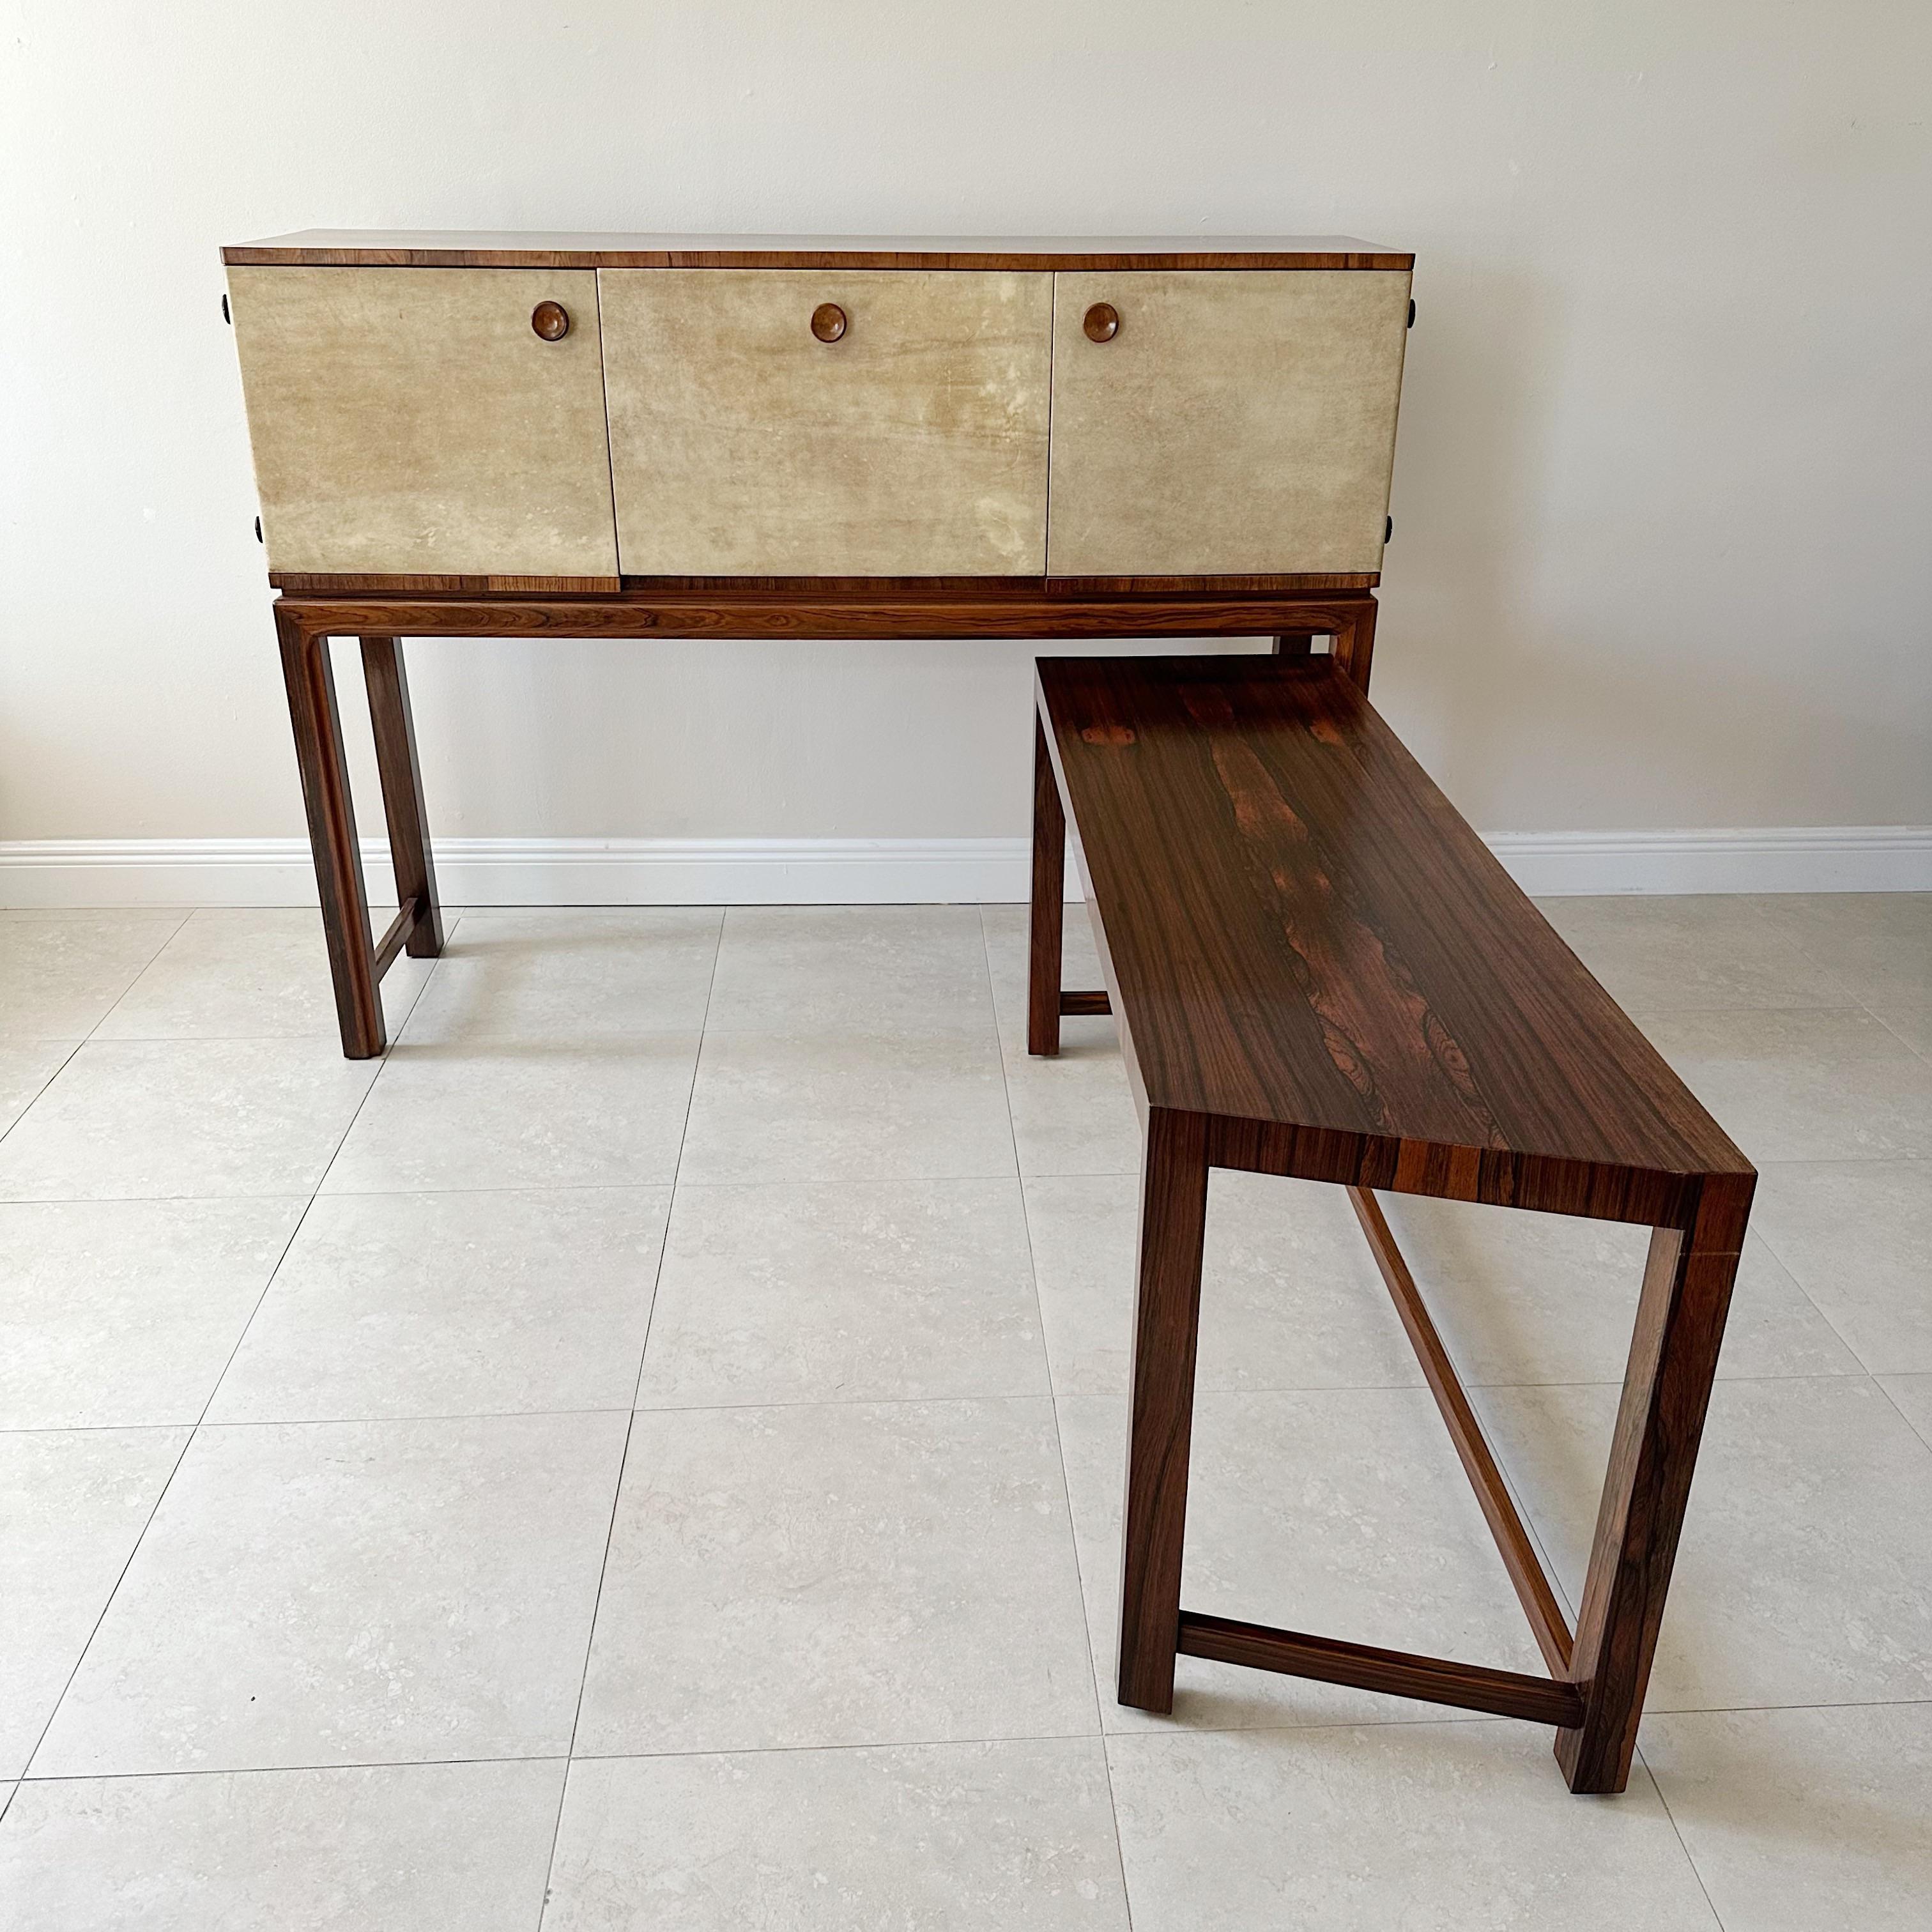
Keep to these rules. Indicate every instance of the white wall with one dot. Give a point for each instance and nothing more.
(1662, 491)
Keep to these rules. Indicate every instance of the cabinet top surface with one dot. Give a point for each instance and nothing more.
(349, 247)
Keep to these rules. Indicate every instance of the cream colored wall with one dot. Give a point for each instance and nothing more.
(1661, 497)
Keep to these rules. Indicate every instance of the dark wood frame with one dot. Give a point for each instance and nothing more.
(362, 248)
(1594, 1695)
(382, 611)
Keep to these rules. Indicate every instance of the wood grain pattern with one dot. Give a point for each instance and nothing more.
(330, 583)
(1680, 1327)
(1311, 949)
(1027, 613)
(437, 583)
(1224, 582)
(1355, 645)
(401, 773)
(1167, 1316)
(1234, 423)
(397, 934)
(1047, 912)
(741, 445)
(1547, 1622)
(311, 681)
(1399, 1673)
(403, 422)
(1090, 1003)
(333, 247)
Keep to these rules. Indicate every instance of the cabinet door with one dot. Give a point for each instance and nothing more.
(1234, 421)
(912, 443)
(413, 420)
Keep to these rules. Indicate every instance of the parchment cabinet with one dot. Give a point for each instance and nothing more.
(409, 420)
(584, 411)
(1230, 423)
(911, 444)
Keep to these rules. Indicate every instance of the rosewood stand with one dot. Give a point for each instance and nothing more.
(382, 611)
(1317, 969)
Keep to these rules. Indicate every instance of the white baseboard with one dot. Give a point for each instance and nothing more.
(527, 871)
(57, 873)
(1764, 859)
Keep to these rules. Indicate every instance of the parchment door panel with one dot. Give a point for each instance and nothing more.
(913, 444)
(412, 420)
(1235, 422)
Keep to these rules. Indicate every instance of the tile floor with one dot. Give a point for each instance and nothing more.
(647, 1453)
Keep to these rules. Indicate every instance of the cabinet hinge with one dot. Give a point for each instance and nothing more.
(1388, 528)
(1412, 310)
(258, 529)
(230, 320)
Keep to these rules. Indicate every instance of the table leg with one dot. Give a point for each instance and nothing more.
(331, 833)
(1667, 1390)
(1173, 1213)
(402, 791)
(1354, 646)
(1048, 907)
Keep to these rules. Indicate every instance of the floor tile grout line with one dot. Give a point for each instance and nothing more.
(630, 1429)
(194, 1429)
(880, 1744)
(384, 1193)
(1811, 1704)
(1677, 1831)
(677, 1163)
(558, 1187)
(1920, 1052)
(1032, 1174)
(146, 967)
(1849, 1160)
(325, 1421)
(153, 959)
(301, 1770)
(557, 1823)
(202, 1040)
(990, 1396)
(313, 1037)
(1894, 1400)
(981, 1397)
(1791, 1275)
(1093, 1669)
(1060, 1452)
(315, 1195)
(1646, 1012)
(174, 932)
(66, 1061)
(107, 1603)
(886, 1744)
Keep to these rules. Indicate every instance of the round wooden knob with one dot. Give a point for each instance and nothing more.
(550, 320)
(1102, 322)
(828, 321)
